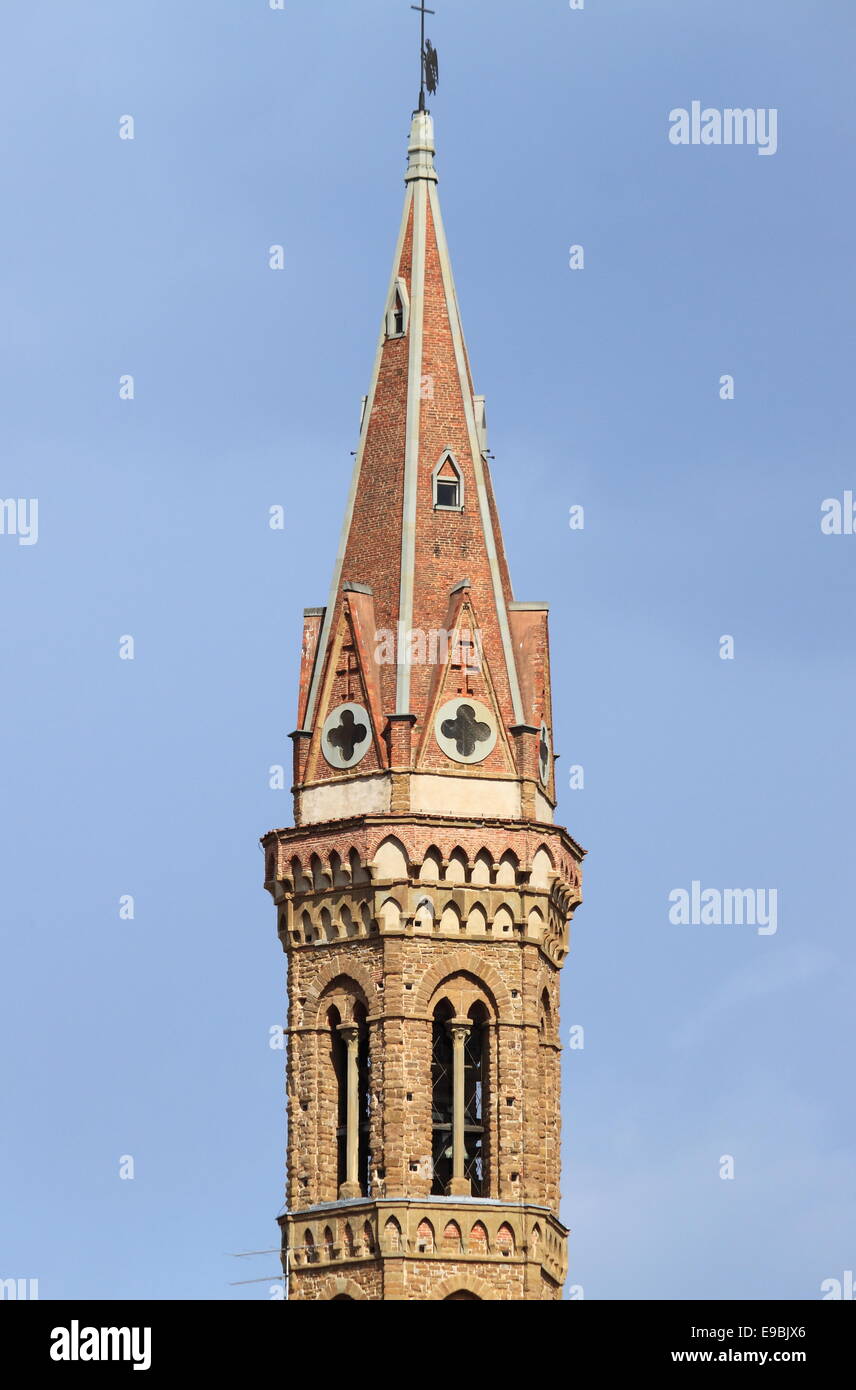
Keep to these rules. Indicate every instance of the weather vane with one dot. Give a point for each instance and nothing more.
(429, 70)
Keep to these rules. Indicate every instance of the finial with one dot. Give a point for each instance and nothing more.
(420, 150)
(428, 65)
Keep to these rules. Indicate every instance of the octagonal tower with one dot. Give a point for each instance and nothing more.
(424, 893)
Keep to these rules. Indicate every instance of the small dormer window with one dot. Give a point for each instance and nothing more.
(448, 493)
(398, 313)
(448, 483)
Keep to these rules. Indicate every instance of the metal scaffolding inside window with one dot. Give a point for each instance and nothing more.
(363, 1099)
(339, 1056)
(459, 1101)
(475, 1093)
(442, 1099)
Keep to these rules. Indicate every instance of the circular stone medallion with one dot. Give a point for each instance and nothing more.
(544, 751)
(465, 729)
(346, 736)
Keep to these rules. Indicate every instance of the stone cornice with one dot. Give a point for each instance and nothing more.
(285, 834)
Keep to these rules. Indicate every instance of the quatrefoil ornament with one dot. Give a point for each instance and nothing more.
(465, 729)
(346, 736)
(544, 755)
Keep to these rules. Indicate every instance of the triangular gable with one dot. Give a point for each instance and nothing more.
(464, 672)
(350, 678)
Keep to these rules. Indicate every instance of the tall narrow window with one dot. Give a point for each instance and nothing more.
(349, 1051)
(398, 312)
(339, 1055)
(363, 1100)
(475, 1096)
(442, 1098)
(459, 1094)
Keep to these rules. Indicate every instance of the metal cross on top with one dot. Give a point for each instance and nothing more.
(428, 68)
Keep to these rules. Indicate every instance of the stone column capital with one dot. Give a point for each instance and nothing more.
(460, 1029)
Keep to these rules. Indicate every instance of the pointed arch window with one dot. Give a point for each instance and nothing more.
(442, 1097)
(475, 1096)
(398, 313)
(448, 484)
(350, 1056)
(459, 1096)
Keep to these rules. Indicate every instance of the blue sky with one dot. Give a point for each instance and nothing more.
(702, 518)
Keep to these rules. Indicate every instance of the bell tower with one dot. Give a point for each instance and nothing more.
(424, 893)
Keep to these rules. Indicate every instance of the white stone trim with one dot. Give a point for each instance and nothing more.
(480, 412)
(446, 794)
(368, 795)
(478, 462)
(324, 636)
(411, 446)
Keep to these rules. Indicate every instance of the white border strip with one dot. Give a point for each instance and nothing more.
(484, 508)
(355, 478)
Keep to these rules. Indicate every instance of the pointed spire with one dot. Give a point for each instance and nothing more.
(421, 526)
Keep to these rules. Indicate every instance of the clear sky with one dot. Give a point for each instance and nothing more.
(149, 777)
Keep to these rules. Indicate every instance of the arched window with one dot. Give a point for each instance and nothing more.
(363, 1156)
(459, 1095)
(339, 1057)
(475, 1097)
(349, 1051)
(442, 1098)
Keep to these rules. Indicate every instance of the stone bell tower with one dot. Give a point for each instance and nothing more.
(424, 894)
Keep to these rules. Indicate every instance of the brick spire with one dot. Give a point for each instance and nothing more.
(423, 895)
(421, 608)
